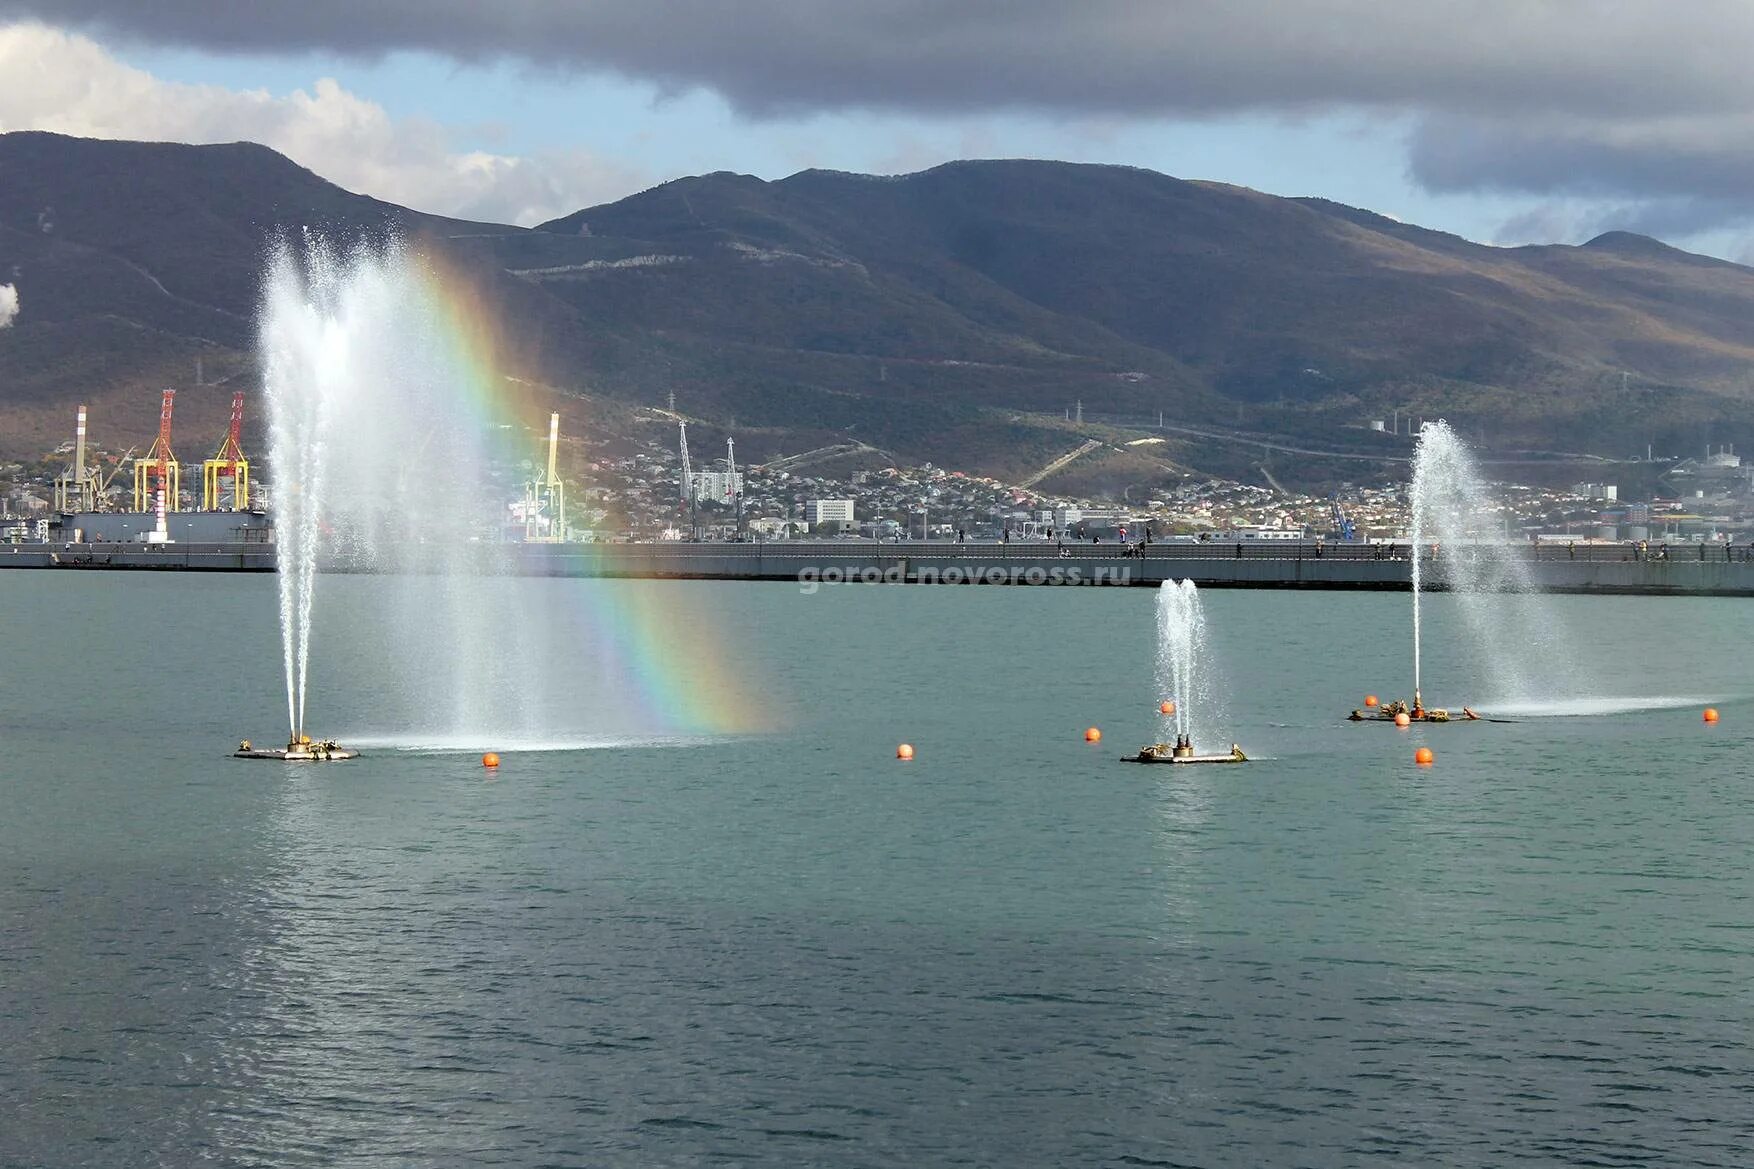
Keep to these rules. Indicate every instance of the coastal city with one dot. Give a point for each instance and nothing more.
(621, 490)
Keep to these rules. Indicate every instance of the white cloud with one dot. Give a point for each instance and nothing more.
(69, 84)
(8, 305)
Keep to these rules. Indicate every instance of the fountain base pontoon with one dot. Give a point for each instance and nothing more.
(1182, 751)
(1416, 713)
(299, 749)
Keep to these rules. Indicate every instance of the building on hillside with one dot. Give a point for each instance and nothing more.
(717, 486)
(829, 511)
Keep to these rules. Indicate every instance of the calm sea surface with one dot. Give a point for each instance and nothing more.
(787, 948)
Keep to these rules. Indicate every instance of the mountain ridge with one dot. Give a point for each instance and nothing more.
(957, 313)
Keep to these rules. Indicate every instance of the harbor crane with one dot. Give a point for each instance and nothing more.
(688, 491)
(732, 487)
(158, 466)
(229, 463)
(103, 484)
(1343, 524)
(77, 488)
(547, 495)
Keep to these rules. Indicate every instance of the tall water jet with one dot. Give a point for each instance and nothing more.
(300, 386)
(1458, 547)
(1181, 646)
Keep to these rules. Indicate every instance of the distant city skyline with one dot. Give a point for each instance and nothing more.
(1505, 123)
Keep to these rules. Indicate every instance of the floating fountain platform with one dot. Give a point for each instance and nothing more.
(302, 749)
(1417, 713)
(1182, 751)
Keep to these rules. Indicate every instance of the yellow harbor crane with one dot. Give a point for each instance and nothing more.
(229, 463)
(159, 464)
(547, 495)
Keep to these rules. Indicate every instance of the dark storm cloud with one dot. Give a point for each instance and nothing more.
(1570, 221)
(1703, 157)
(1136, 57)
(1673, 176)
(1605, 99)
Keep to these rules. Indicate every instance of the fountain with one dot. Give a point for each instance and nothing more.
(305, 360)
(399, 415)
(378, 465)
(1182, 654)
(1457, 547)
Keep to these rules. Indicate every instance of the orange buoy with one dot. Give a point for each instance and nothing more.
(1370, 700)
(905, 751)
(1401, 720)
(490, 760)
(1093, 735)
(1710, 714)
(1166, 707)
(1423, 757)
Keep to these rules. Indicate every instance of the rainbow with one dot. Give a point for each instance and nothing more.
(669, 668)
(677, 673)
(491, 382)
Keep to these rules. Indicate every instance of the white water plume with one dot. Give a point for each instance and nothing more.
(1459, 547)
(8, 304)
(304, 358)
(1183, 656)
(379, 462)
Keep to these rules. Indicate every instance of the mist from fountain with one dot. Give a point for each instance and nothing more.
(379, 462)
(1459, 547)
(1183, 657)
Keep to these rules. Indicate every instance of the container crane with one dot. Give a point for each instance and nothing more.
(158, 465)
(229, 463)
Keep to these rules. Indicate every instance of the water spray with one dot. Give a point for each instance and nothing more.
(1182, 659)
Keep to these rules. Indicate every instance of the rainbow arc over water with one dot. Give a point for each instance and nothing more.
(402, 409)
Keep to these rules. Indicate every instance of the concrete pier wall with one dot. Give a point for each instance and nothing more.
(253, 556)
(1593, 569)
(1209, 565)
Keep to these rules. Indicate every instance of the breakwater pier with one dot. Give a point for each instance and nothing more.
(1685, 570)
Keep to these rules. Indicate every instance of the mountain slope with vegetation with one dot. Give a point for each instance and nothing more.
(957, 315)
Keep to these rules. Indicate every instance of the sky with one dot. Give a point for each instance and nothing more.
(1505, 121)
